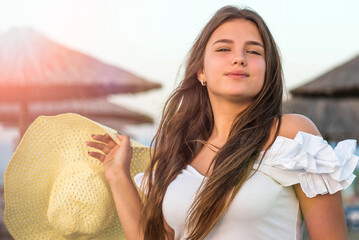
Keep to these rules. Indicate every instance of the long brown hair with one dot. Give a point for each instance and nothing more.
(187, 120)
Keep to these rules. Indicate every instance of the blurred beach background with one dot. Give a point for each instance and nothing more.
(151, 39)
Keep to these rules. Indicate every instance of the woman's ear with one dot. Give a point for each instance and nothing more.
(200, 75)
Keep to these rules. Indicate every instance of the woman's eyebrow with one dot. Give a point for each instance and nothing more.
(223, 41)
(254, 43)
(231, 41)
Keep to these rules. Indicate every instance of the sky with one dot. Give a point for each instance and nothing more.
(152, 38)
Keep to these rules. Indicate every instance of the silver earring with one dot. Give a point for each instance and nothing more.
(203, 82)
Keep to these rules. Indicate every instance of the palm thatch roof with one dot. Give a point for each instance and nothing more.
(33, 67)
(100, 110)
(336, 118)
(331, 101)
(342, 81)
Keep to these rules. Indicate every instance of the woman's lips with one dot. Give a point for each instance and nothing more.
(237, 75)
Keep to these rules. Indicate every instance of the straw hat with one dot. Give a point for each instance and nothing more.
(55, 190)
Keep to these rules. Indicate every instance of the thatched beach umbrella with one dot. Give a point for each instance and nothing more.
(342, 81)
(99, 110)
(336, 118)
(331, 101)
(34, 68)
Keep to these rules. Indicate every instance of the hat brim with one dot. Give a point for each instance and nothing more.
(48, 145)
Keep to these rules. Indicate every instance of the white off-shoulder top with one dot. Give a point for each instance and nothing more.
(266, 207)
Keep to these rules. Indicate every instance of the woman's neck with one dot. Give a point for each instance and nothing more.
(224, 113)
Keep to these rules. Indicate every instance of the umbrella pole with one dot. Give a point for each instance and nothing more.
(23, 118)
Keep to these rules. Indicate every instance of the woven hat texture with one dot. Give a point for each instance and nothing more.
(55, 190)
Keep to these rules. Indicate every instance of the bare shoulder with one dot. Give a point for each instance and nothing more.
(293, 123)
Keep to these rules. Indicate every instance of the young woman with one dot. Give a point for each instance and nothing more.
(226, 163)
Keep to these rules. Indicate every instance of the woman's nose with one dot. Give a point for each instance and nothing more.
(239, 60)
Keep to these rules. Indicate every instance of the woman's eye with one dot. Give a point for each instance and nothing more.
(254, 52)
(222, 50)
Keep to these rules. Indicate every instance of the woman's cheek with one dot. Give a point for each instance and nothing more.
(260, 68)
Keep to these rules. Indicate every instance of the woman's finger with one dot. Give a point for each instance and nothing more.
(105, 138)
(97, 155)
(125, 141)
(100, 146)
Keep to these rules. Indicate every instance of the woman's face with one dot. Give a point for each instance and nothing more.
(234, 62)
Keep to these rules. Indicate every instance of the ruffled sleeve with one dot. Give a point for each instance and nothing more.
(310, 161)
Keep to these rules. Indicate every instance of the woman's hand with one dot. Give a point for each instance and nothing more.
(116, 158)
